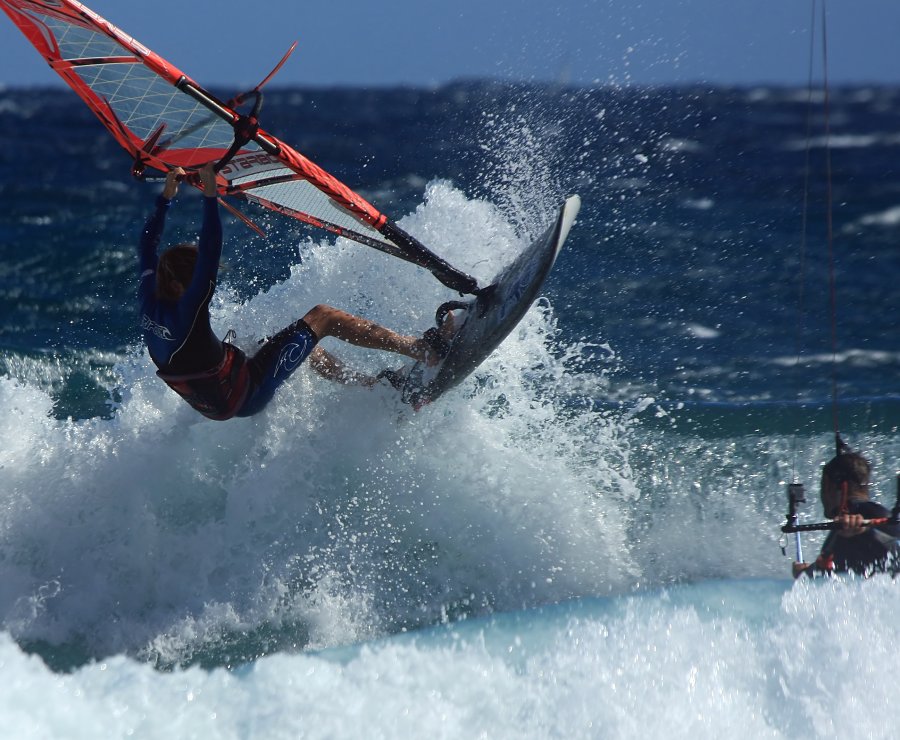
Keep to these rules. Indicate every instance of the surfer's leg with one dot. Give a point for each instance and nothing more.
(440, 337)
(449, 325)
(330, 367)
(275, 361)
(327, 321)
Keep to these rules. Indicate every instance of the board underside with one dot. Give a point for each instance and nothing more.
(492, 315)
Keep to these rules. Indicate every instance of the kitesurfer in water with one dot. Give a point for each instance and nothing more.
(855, 546)
(214, 376)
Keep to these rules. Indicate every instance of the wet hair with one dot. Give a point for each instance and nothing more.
(176, 263)
(848, 468)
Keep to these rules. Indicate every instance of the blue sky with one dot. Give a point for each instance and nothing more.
(417, 42)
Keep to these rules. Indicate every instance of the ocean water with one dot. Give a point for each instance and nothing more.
(582, 540)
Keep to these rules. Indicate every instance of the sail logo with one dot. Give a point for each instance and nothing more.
(249, 164)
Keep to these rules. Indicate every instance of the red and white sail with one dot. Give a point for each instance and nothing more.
(164, 119)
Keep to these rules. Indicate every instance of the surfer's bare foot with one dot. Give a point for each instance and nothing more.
(329, 366)
(437, 340)
(423, 352)
(395, 377)
(435, 347)
(448, 327)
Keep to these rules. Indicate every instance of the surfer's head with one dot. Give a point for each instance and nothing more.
(847, 472)
(175, 270)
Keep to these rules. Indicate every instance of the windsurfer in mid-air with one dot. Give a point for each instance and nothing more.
(212, 375)
(856, 546)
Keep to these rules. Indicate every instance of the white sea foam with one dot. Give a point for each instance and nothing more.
(889, 217)
(701, 331)
(681, 145)
(845, 141)
(337, 514)
(853, 357)
(719, 659)
(699, 204)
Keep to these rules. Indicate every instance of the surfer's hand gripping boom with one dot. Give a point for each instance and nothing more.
(173, 177)
(207, 175)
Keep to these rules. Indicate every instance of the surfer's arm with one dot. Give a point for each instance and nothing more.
(887, 530)
(150, 237)
(154, 226)
(861, 521)
(851, 525)
(211, 232)
(209, 247)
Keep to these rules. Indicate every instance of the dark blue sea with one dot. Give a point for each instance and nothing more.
(581, 540)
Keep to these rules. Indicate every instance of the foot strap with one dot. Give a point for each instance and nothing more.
(446, 308)
(393, 377)
(436, 343)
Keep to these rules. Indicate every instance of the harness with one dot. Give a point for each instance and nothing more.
(217, 393)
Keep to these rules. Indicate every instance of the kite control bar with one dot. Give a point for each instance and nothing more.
(828, 526)
(796, 497)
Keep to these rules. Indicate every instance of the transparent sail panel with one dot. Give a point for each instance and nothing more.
(163, 126)
(76, 42)
(300, 195)
(141, 100)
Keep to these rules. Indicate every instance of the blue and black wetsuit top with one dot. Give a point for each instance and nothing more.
(865, 552)
(208, 373)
